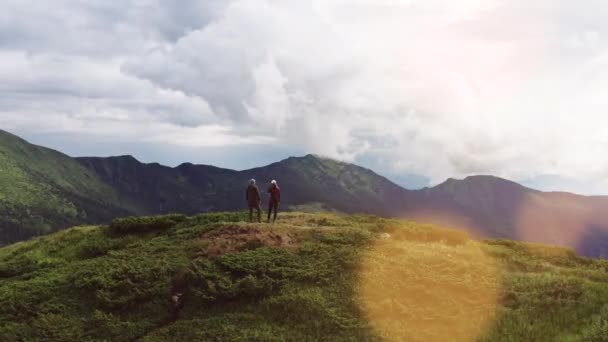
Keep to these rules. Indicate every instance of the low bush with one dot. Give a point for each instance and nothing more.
(136, 225)
(203, 219)
(597, 329)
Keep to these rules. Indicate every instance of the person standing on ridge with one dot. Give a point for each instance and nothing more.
(254, 200)
(275, 199)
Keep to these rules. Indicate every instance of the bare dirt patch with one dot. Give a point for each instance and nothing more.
(235, 238)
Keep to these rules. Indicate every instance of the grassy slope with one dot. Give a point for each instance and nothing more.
(344, 279)
(42, 190)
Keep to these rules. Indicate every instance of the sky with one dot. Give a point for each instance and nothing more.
(418, 90)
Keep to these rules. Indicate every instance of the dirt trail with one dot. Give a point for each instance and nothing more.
(235, 238)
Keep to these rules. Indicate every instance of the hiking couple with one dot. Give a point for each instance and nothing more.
(254, 199)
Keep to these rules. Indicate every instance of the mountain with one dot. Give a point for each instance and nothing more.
(201, 188)
(42, 190)
(485, 205)
(157, 189)
(310, 277)
(491, 207)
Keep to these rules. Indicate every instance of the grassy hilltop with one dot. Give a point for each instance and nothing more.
(310, 277)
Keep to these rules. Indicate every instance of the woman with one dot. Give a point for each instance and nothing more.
(254, 200)
(275, 199)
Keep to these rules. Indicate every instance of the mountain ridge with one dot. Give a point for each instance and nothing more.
(320, 157)
(485, 205)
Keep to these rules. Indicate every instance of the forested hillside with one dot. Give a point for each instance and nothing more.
(42, 190)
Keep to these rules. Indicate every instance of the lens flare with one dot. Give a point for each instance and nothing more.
(412, 291)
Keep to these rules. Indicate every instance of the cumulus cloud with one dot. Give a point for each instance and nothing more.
(431, 87)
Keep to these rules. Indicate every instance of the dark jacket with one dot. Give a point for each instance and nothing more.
(275, 193)
(253, 194)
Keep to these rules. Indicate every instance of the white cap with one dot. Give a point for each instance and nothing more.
(273, 182)
(252, 181)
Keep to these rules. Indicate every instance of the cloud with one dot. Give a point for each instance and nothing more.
(431, 87)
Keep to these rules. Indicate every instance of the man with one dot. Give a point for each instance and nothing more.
(254, 200)
(275, 199)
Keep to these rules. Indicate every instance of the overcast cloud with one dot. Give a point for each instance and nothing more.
(426, 87)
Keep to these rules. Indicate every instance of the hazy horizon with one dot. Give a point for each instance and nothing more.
(410, 182)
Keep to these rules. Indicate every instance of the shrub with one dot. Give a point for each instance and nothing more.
(95, 248)
(597, 329)
(251, 274)
(203, 219)
(122, 284)
(136, 225)
(344, 236)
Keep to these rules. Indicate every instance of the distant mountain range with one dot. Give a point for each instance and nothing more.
(42, 190)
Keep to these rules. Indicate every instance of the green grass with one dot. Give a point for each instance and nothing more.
(43, 190)
(343, 278)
